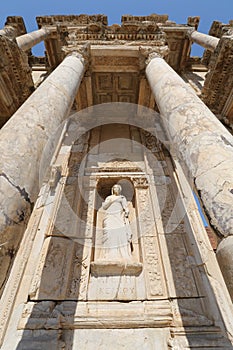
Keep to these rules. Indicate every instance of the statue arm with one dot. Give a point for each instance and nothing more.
(108, 201)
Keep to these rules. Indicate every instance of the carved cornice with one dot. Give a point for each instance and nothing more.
(119, 165)
(193, 22)
(154, 30)
(153, 18)
(16, 80)
(79, 20)
(219, 80)
(218, 29)
(17, 23)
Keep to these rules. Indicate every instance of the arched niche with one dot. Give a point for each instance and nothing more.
(101, 265)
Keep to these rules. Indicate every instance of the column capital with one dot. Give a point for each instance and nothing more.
(190, 31)
(82, 52)
(148, 53)
(9, 31)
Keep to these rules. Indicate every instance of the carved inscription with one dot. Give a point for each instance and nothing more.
(118, 287)
(126, 291)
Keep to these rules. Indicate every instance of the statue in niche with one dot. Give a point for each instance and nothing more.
(117, 236)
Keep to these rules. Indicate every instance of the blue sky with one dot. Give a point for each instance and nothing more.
(178, 10)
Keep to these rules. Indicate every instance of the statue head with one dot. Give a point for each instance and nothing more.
(116, 189)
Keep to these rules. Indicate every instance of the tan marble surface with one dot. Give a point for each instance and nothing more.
(27, 41)
(200, 139)
(207, 41)
(26, 134)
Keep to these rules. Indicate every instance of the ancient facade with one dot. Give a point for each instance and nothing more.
(86, 268)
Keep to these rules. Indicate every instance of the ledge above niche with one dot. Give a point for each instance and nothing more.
(111, 268)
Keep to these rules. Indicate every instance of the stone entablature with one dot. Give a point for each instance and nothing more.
(219, 80)
(217, 90)
(17, 23)
(217, 29)
(16, 81)
(66, 32)
(153, 30)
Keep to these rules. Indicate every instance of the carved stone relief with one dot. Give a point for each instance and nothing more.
(116, 277)
(113, 87)
(51, 278)
(148, 234)
(115, 251)
(79, 272)
(98, 283)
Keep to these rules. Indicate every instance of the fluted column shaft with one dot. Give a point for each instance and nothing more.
(27, 41)
(202, 142)
(207, 41)
(22, 140)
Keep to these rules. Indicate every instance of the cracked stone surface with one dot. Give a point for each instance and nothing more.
(205, 146)
(200, 140)
(22, 141)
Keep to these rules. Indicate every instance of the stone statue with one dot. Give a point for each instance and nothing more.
(117, 234)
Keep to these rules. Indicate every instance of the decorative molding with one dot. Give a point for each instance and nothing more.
(140, 182)
(82, 52)
(16, 82)
(149, 53)
(106, 268)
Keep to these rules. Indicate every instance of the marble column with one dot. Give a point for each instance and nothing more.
(22, 140)
(207, 41)
(203, 144)
(27, 41)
